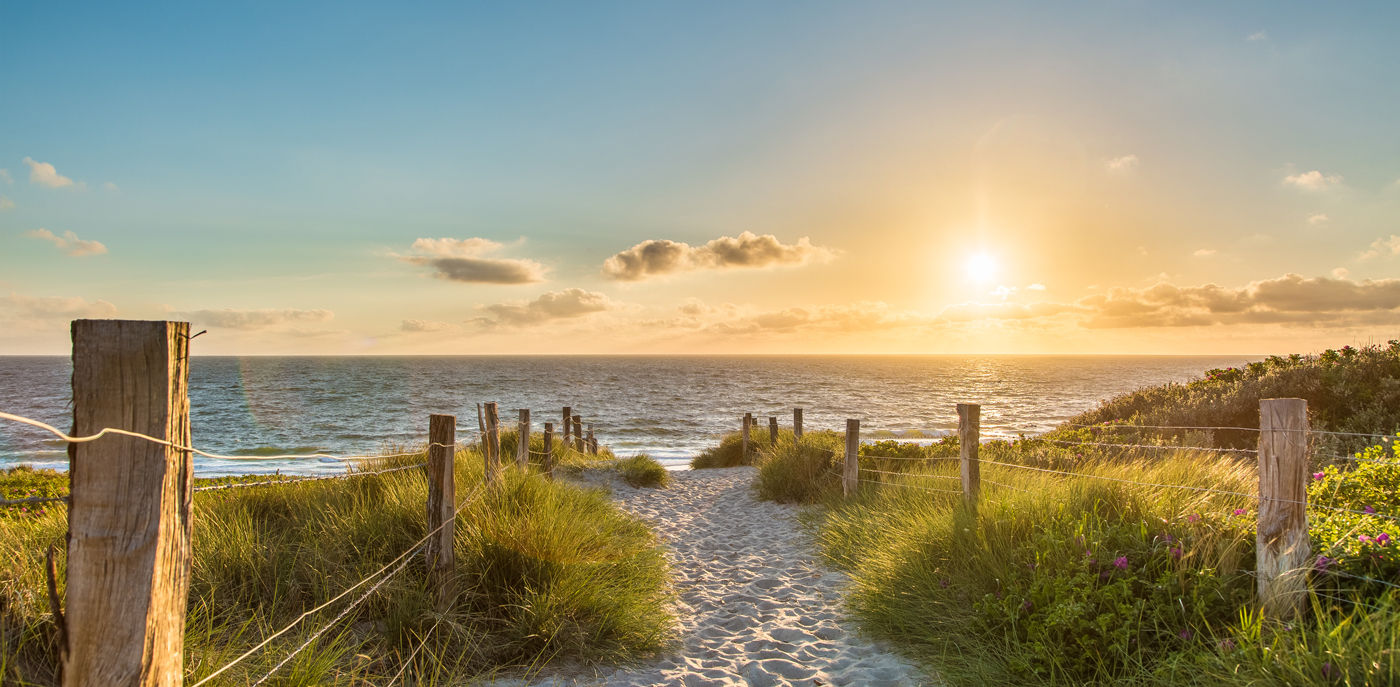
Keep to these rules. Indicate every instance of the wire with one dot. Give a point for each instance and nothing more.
(1156, 446)
(1008, 486)
(236, 485)
(32, 499)
(349, 607)
(178, 447)
(1341, 573)
(906, 474)
(910, 486)
(412, 550)
(1242, 429)
(1115, 479)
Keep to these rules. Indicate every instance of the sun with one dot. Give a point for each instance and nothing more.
(981, 268)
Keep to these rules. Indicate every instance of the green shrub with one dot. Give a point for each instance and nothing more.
(1348, 390)
(1351, 544)
(643, 471)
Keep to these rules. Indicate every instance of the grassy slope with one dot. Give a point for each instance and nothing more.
(548, 571)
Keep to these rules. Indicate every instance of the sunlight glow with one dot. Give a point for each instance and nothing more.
(981, 268)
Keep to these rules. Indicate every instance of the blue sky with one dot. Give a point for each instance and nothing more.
(266, 171)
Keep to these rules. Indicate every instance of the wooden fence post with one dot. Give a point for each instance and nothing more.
(522, 445)
(492, 440)
(578, 433)
(568, 418)
(797, 424)
(748, 422)
(442, 508)
(773, 430)
(481, 429)
(549, 450)
(129, 524)
(1282, 533)
(592, 445)
(969, 441)
(851, 477)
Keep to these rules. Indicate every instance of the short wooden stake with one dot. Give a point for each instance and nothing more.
(851, 477)
(1282, 533)
(442, 509)
(797, 424)
(578, 433)
(748, 422)
(549, 450)
(592, 445)
(773, 431)
(522, 447)
(129, 527)
(492, 441)
(568, 418)
(969, 441)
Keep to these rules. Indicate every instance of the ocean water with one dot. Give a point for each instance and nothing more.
(667, 406)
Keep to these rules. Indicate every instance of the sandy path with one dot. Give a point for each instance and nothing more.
(756, 608)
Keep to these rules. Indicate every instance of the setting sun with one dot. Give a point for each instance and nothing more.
(981, 268)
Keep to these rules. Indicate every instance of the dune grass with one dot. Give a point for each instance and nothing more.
(547, 570)
(642, 470)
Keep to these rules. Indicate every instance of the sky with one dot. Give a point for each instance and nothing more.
(722, 177)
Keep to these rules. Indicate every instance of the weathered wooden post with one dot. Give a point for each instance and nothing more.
(748, 422)
(549, 450)
(773, 431)
(568, 418)
(481, 429)
(969, 441)
(592, 444)
(1282, 533)
(797, 424)
(492, 440)
(578, 433)
(129, 524)
(849, 480)
(522, 447)
(442, 508)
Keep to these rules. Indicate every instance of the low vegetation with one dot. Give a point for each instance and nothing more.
(1101, 577)
(642, 471)
(548, 570)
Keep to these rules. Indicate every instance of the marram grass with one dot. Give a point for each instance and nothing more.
(547, 571)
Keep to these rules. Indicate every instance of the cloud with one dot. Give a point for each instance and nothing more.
(460, 260)
(69, 243)
(1312, 181)
(1317, 218)
(233, 318)
(1003, 291)
(425, 326)
(44, 174)
(1036, 287)
(5, 176)
(969, 312)
(110, 186)
(1341, 272)
(6, 203)
(1388, 248)
(655, 258)
(554, 305)
(54, 308)
(1256, 36)
(1204, 252)
(857, 317)
(1290, 299)
(1122, 165)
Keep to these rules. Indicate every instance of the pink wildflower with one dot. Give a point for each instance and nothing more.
(1369, 510)
(1193, 518)
(1238, 511)
(1319, 475)
(1121, 563)
(1383, 539)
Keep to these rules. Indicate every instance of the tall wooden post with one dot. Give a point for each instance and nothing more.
(522, 447)
(748, 422)
(773, 431)
(797, 424)
(129, 524)
(492, 440)
(481, 429)
(592, 445)
(549, 450)
(1282, 533)
(969, 441)
(442, 508)
(851, 477)
(578, 433)
(568, 418)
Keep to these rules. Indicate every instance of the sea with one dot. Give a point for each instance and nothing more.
(253, 409)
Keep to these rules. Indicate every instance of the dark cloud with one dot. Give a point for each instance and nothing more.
(654, 258)
(460, 260)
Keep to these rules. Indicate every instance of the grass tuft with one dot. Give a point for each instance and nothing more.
(643, 471)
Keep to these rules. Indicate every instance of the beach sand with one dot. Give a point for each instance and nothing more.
(755, 605)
